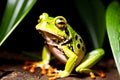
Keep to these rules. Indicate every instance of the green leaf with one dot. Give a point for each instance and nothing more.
(93, 16)
(32, 55)
(14, 13)
(113, 30)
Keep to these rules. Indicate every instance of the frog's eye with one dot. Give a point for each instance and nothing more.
(60, 22)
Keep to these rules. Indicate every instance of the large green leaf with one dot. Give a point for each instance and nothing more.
(113, 30)
(93, 15)
(14, 13)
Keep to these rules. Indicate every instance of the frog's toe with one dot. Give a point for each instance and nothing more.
(64, 74)
(53, 76)
(92, 75)
(45, 68)
(100, 73)
(51, 71)
(58, 74)
(97, 72)
(30, 65)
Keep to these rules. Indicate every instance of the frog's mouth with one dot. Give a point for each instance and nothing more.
(50, 36)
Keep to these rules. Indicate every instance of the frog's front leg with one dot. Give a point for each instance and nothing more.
(44, 64)
(90, 60)
(70, 64)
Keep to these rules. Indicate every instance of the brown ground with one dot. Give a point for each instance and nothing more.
(11, 69)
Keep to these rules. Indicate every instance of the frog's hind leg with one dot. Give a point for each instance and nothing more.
(89, 61)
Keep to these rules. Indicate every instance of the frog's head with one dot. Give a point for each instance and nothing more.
(52, 27)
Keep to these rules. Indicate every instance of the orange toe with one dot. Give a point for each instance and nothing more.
(92, 75)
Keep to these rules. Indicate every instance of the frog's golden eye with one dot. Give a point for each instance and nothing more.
(60, 22)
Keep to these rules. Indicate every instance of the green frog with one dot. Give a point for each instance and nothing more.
(67, 46)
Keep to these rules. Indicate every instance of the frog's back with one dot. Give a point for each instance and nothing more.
(77, 44)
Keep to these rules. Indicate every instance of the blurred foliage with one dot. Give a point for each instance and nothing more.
(93, 15)
(14, 13)
(113, 30)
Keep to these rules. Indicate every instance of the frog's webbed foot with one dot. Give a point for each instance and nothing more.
(55, 74)
(90, 72)
(52, 73)
(93, 73)
(97, 72)
(31, 66)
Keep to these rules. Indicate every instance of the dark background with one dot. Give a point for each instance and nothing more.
(26, 38)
